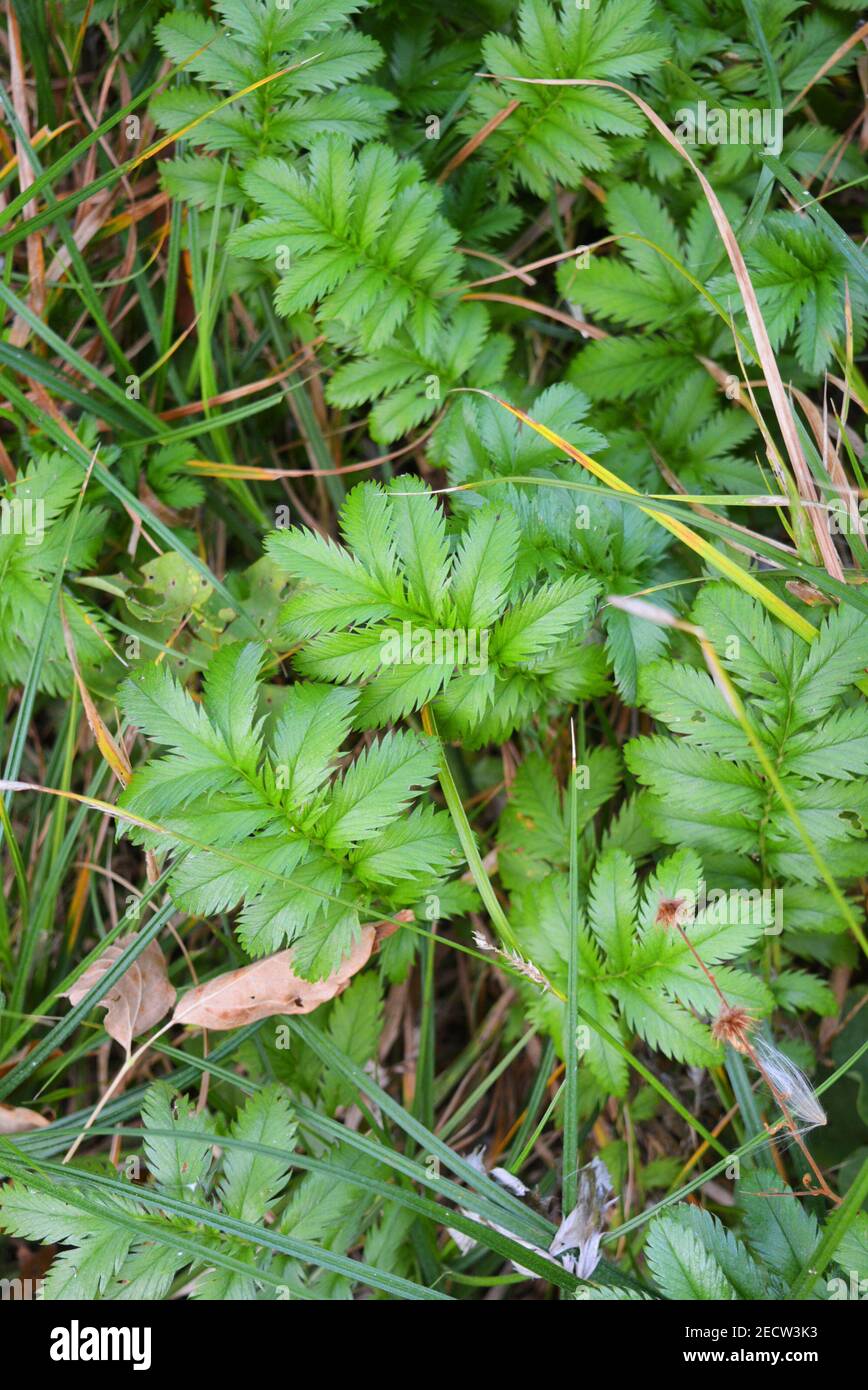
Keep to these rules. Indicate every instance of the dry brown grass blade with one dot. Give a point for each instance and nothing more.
(26, 176)
(86, 229)
(115, 756)
(541, 224)
(587, 330)
(840, 51)
(251, 388)
(831, 460)
(768, 361)
(848, 390)
(78, 904)
(80, 36)
(476, 140)
(509, 270)
(7, 467)
(137, 212)
(523, 271)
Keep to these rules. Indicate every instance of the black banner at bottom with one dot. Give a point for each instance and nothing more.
(148, 1338)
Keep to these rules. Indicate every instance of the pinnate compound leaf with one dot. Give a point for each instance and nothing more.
(682, 1266)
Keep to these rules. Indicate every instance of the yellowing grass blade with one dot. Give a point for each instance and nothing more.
(650, 612)
(703, 548)
(112, 752)
(774, 382)
(179, 134)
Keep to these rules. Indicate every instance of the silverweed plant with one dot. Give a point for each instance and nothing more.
(433, 654)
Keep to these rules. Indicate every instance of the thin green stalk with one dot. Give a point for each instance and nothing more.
(467, 1106)
(571, 1049)
(836, 1228)
(521, 1159)
(533, 1104)
(423, 1101)
(467, 838)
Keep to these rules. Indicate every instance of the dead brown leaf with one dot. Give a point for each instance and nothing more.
(241, 996)
(15, 1119)
(270, 987)
(138, 1000)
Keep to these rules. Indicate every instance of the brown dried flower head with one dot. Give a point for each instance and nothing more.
(671, 912)
(732, 1026)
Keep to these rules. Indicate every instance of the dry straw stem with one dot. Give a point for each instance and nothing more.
(481, 135)
(26, 176)
(840, 52)
(690, 538)
(115, 754)
(587, 330)
(780, 401)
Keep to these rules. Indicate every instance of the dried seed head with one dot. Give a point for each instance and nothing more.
(671, 912)
(518, 963)
(732, 1026)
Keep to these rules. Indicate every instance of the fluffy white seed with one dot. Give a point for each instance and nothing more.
(789, 1083)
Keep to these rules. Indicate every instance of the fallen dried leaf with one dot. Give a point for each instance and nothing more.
(15, 1119)
(270, 987)
(267, 987)
(138, 1000)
